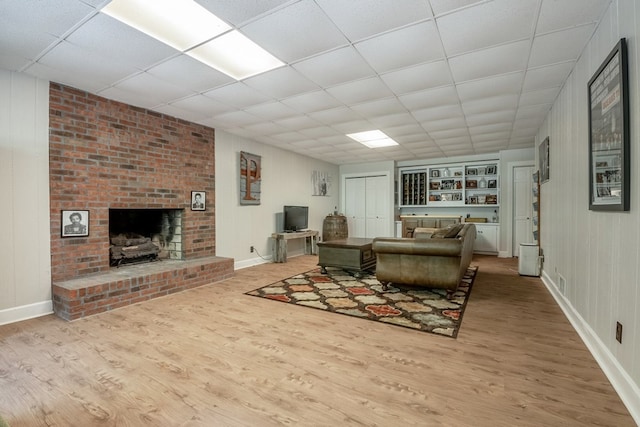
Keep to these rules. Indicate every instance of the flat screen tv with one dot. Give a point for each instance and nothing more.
(296, 218)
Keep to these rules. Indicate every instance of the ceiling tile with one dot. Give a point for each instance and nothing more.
(312, 101)
(237, 12)
(237, 94)
(201, 103)
(547, 77)
(490, 62)
(443, 6)
(155, 90)
(560, 46)
(295, 32)
(491, 86)
(358, 19)
(487, 24)
(360, 91)
(438, 113)
(335, 115)
(445, 95)
(335, 67)
(200, 77)
(111, 39)
(417, 78)
(281, 83)
(402, 48)
(271, 111)
(555, 15)
(380, 107)
(495, 103)
(543, 96)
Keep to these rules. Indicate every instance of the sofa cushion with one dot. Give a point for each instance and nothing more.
(448, 232)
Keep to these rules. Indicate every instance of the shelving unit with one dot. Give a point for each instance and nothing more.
(462, 184)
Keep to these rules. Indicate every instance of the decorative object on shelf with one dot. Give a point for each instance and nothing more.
(472, 171)
(471, 183)
(435, 173)
(609, 160)
(543, 159)
(198, 200)
(446, 172)
(491, 170)
(494, 218)
(492, 183)
(250, 178)
(74, 223)
(482, 183)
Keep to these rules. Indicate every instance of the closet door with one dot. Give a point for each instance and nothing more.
(355, 206)
(377, 207)
(367, 207)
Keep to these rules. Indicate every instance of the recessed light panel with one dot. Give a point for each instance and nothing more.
(181, 24)
(235, 55)
(372, 139)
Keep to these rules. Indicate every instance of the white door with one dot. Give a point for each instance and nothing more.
(522, 207)
(355, 207)
(377, 191)
(367, 207)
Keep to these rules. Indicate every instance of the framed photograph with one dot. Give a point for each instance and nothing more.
(543, 160)
(492, 183)
(482, 171)
(198, 200)
(471, 183)
(74, 223)
(435, 173)
(250, 178)
(472, 171)
(434, 185)
(492, 170)
(609, 160)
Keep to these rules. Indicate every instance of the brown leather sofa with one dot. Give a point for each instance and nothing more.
(437, 261)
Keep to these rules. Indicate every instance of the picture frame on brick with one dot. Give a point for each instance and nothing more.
(198, 200)
(74, 223)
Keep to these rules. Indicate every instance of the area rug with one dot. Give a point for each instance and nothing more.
(421, 309)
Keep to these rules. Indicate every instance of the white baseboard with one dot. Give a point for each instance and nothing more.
(503, 254)
(250, 262)
(24, 312)
(624, 385)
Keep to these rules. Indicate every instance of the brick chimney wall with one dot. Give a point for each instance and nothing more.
(105, 154)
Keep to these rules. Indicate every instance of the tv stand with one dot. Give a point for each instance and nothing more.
(279, 247)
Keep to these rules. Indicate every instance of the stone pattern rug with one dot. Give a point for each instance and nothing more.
(417, 308)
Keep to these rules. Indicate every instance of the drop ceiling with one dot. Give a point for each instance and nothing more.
(443, 78)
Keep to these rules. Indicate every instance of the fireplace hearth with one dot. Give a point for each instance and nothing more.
(141, 235)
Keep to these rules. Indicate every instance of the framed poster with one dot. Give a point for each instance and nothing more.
(543, 160)
(609, 160)
(74, 223)
(198, 200)
(250, 178)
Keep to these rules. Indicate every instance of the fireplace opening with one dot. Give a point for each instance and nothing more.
(141, 235)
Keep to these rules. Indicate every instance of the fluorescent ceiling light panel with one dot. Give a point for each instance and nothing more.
(372, 139)
(235, 55)
(181, 24)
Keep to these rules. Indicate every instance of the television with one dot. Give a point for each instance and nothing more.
(296, 218)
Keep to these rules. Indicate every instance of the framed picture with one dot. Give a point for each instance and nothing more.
(609, 160)
(543, 160)
(74, 223)
(471, 183)
(250, 178)
(492, 183)
(198, 200)
(492, 170)
(472, 171)
(435, 173)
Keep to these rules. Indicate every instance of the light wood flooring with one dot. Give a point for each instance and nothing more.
(213, 356)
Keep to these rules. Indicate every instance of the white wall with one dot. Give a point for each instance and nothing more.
(286, 180)
(597, 253)
(25, 255)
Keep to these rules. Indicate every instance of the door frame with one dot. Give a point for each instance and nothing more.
(507, 214)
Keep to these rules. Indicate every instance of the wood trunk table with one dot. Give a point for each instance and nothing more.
(353, 254)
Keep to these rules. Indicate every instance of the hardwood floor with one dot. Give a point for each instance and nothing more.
(213, 356)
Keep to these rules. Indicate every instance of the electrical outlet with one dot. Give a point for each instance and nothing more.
(251, 249)
(619, 332)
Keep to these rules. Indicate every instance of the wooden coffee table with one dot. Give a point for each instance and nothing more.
(353, 254)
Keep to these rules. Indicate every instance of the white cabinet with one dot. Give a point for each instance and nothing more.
(486, 238)
(367, 206)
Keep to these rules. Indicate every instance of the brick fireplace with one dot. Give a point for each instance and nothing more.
(106, 157)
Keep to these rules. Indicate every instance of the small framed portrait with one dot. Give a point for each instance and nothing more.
(492, 183)
(491, 170)
(472, 171)
(435, 173)
(198, 200)
(471, 183)
(434, 185)
(74, 223)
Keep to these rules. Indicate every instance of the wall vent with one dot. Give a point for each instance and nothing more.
(562, 283)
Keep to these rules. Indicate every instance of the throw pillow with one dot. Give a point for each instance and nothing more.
(453, 232)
